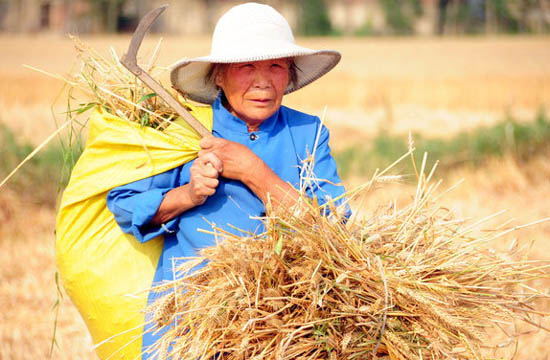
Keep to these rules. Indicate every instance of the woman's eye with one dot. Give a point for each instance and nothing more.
(243, 67)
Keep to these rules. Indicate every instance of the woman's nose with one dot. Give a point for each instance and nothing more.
(262, 78)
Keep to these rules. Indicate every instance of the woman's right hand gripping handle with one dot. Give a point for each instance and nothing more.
(204, 177)
(203, 182)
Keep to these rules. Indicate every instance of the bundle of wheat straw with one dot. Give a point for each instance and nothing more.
(410, 283)
(113, 87)
(103, 81)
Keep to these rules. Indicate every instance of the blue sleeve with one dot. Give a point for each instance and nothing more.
(323, 182)
(134, 205)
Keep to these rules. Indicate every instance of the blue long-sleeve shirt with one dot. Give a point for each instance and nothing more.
(282, 141)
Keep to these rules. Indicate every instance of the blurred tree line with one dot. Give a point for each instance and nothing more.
(312, 17)
(452, 17)
(491, 16)
(108, 13)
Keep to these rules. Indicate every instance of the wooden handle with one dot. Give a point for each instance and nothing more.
(173, 103)
(130, 62)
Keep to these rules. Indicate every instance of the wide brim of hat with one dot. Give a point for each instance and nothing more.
(189, 75)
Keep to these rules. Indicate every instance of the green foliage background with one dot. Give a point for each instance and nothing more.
(522, 141)
(45, 175)
(314, 19)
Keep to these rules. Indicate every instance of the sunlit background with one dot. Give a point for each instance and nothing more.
(469, 80)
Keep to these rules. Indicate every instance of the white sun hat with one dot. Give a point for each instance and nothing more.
(250, 32)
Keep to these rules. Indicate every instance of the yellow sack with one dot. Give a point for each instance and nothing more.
(105, 271)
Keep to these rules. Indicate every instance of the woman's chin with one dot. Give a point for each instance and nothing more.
(257, 115)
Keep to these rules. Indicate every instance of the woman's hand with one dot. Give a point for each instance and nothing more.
(233, 161)
(204, 177)
(238, 161)
(203, 183)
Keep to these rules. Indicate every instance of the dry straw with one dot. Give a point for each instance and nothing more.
(110, 85)
(409, 283)
(102, 81)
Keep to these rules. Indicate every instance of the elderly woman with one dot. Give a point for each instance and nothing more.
(256, 153)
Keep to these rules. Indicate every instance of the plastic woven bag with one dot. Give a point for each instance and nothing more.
(106, 272)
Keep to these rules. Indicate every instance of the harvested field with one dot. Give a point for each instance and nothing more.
(28, 291)
(433, 86)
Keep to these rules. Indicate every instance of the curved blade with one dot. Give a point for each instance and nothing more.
(142, 28)
(130, 62)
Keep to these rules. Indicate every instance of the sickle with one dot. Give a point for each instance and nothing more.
(130, 62)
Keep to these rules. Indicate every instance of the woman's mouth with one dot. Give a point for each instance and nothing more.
(261, 101)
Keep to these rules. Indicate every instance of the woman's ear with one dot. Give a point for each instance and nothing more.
(219, 75)
(218, 81)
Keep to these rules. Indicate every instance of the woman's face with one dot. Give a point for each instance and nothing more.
(254, 90)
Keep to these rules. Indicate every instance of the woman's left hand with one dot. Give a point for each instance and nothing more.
(239, 162)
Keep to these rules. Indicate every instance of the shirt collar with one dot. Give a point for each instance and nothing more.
(224, 120)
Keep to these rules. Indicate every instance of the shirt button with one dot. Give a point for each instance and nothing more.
(253, 136)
